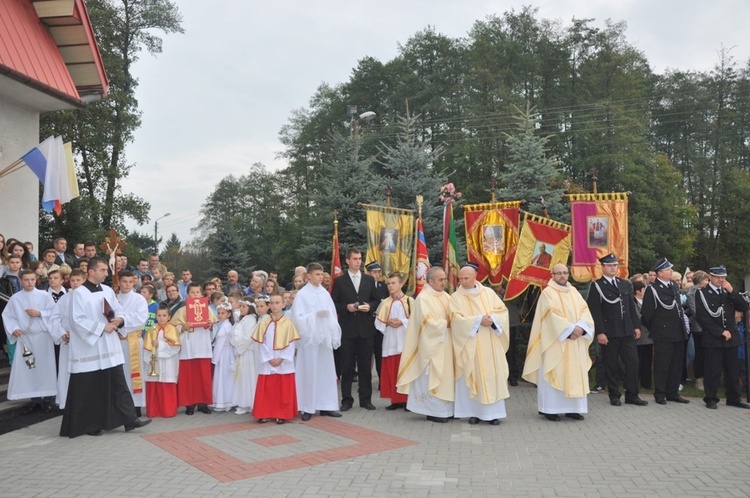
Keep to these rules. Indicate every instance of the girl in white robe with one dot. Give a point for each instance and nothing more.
(246, 366)
(223, 360)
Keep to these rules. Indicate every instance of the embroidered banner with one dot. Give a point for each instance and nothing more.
(492, 238)
(599, 226)
(390, 238)
(543, 243)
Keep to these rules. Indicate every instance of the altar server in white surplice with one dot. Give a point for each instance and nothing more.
(314, 316)
(135, 312)
(32, 320)
(77, 277)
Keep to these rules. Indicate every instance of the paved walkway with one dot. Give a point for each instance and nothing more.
(672, 450)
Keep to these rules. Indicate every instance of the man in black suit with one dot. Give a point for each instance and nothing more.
(61, 245)
(715, 305)
(381, 290)
(355, 299)
(612, 305)
(662, 313)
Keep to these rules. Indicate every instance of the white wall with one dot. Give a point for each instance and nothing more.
(19, 191)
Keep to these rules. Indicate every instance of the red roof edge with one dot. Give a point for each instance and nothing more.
(42, 87)
(84, 16)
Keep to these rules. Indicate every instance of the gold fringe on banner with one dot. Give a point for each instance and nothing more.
(386, 209)
(492, 205)
(611, 196)
(545, 221)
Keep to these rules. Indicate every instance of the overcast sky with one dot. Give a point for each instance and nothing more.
(214, 101)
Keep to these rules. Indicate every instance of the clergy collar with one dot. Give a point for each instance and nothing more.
(91, 286)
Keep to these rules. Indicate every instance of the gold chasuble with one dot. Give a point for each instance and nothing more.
(567, 362)
(480, 359)
(428, 342)
(284, 334)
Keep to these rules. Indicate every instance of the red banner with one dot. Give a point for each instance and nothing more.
(422, 262)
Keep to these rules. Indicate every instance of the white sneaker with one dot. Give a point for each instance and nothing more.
(699, 384)
(240, 411)
(680, 388)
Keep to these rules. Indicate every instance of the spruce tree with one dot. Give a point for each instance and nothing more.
(409, 167)
(530, 173)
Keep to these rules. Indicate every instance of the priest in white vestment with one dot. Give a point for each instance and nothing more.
(31, 319)
(425, 372)
(479, 327)
(135, 312)
(557, 359)
(314, 315)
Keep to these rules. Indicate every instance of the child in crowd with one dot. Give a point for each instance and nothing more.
(261, 306)
(148, 292)
(194, 382)
(223, 359)
(235, 297)
(276, 392)
(161, 353)
(55, 281)
(246, 366)
(215, 299)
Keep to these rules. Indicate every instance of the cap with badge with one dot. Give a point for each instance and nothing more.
(373, 266)
(609, 259)
(718, 271)
(662, 264)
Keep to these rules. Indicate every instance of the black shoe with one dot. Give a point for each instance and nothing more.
(263, 420)
(368, 406)
(204, 409)
(494, 421)
(615, 402)
(739, 404)
(329, 413)
(395, 406)
(137, 423)
(513, 382)
(552, 417)
(96, 433)
(660, 401)
(711, 405)
(574, 416)
(305, 416)
(47, 408)
(280, 421)
(31, 409)
(189, 410)
(597, 389)
(138, 411)
(355, 378)
(678, 399)
(636, 402)
(473, 420)
(439, 420)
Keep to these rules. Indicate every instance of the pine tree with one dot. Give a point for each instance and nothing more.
(342, 184)
(409, 167)
(530, 174)
(226, 252)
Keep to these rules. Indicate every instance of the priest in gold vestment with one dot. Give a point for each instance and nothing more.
(479, 327)
(557, 359)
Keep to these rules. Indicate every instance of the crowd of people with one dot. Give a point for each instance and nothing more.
(108, 356)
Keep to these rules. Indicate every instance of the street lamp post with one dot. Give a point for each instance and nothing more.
(156, 232)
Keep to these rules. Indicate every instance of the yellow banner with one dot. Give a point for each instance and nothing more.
(390, 238)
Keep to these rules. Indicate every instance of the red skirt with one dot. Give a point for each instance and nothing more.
(275, 397)
(161, 399)
(194, 382)
(389, 369)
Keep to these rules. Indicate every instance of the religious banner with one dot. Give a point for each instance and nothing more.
(197, 312)
(336, 270)
(450, 257)
(390, 238)
(491, 238)
(599, 226)
(543, 243)
(422, 261)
